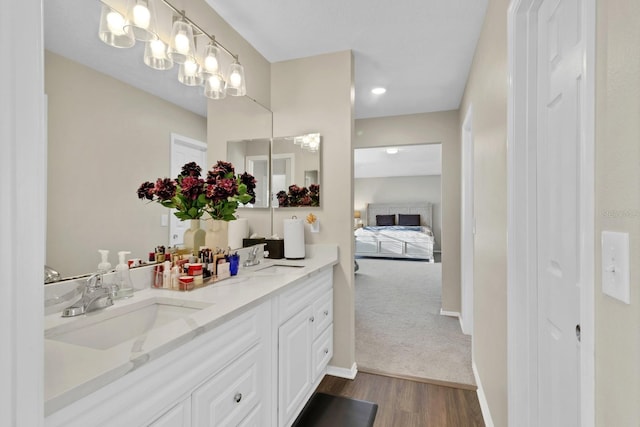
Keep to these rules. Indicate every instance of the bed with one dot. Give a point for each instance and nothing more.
(397, 230)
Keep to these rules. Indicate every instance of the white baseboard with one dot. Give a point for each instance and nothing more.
(449, 313)
(482, 398)
(343, 372)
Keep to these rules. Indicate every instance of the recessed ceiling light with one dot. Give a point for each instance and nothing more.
(378, 90)
(392, 150)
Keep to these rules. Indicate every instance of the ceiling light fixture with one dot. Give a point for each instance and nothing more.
(378, 90)
(392, 150)
(139, 23)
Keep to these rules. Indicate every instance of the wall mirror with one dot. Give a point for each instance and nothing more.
(105, 138)
(252, 156)
(295, 170)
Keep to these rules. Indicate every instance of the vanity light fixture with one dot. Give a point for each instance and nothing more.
(310, 142)
(392, 150)
(112, 28)
(141, 20)
(378, 90)
(236, 85)
(121, 30)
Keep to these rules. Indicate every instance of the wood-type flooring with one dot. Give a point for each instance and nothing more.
(405, 403)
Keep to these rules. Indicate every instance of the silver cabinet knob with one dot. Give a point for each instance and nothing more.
(237, 397)
(326, 312)
(326, 351)
(312, 319)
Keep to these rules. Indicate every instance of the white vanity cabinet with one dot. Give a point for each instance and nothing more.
(305, 342)
(257, 366)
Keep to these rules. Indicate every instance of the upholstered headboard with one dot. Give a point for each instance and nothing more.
(424, 209)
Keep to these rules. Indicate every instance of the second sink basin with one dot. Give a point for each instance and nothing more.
(107, 328)
(279, 269)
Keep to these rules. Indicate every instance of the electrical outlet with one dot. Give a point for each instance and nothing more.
(615, 265)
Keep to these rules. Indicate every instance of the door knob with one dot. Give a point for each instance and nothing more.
(578, 332)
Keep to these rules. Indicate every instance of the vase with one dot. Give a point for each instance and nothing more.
(217, 235)
(194, 237)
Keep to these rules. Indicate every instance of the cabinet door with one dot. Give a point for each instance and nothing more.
(178, 416)
(322, 352)
(227, 398)
(294, 365)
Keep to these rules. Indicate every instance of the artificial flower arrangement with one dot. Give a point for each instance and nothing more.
(299, 196)
(219, 194)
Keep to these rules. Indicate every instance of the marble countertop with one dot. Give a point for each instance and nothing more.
(73, 371)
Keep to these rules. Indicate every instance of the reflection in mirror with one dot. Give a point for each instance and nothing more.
(106, 136)
(295, 170)
(252, 156)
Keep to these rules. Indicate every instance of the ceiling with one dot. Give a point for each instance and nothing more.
(420, 50)
(410, 160)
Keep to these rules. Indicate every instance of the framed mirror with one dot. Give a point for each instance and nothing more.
(295, 170)
(252, 156)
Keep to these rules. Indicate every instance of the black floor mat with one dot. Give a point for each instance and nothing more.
(325, 410)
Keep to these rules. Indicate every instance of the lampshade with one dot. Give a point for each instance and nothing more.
(235, 80)
(210, 60)
(356, 214)
(189, 73)
(215, 87)
(182, 44)
(155, 55)
(141, 19)
(112, 29)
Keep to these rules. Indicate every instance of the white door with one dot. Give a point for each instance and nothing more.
(468, 222)
(560, 65)
(184, 150)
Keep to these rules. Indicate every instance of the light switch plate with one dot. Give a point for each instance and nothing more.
(615, 265)
(164, 220)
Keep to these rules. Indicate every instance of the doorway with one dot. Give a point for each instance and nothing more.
(468, 226)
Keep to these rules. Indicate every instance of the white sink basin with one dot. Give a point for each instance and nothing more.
(114, 325)
(279, 269)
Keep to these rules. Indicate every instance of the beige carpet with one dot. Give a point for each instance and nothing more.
(399, 330)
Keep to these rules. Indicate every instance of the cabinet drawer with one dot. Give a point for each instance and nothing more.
(322, 313)
(254, 419)
(229, 397)
(322, 352)
(178, 416)
(293, 300)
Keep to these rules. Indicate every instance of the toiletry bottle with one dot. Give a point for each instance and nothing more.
(166, 275)
(105, 265)
(125, 288)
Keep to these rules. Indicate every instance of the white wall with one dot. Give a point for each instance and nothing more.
(400, 189)
(315, 94)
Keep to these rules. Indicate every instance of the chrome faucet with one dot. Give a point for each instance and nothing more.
(95, 296)
(253, 255)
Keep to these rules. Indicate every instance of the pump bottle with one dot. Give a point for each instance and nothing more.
(123, 280)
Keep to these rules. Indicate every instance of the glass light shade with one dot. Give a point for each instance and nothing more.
(210, 60)
(155, 55)
(182, 44)
(141, 19)
(112, 29)
(235, 81)
(189, 73)
(215, 87)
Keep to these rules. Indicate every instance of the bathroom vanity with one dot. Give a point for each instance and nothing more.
(246, 351)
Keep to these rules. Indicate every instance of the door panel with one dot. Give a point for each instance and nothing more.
(558, 187)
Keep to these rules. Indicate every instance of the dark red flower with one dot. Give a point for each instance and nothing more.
(192, 187)
(146, 191)
(191, 169)
(220, 170)
(165, 189)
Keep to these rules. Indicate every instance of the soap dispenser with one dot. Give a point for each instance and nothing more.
(125, 288)
(104, 265)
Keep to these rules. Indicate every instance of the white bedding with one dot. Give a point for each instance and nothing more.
(395, 241)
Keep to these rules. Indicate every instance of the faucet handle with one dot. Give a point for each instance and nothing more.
(95, 280)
